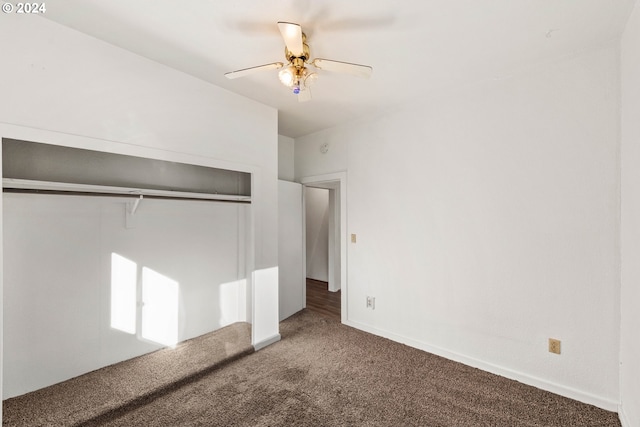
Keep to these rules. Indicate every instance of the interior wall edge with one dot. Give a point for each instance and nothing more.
(1, 293)
(624, 420)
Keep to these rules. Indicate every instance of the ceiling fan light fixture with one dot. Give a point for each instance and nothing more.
(287, 76)
(310, 78)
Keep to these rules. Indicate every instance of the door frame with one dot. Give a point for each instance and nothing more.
(336, 183)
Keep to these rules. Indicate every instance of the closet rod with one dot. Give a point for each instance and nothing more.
(131, 195)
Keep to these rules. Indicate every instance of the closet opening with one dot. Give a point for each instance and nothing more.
(109, 256)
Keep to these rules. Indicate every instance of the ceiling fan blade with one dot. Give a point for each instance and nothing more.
(292, 35)
(246, 71)
(304, 95)
(357, 70)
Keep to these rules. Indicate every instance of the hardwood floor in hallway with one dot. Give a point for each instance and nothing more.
(320, 300)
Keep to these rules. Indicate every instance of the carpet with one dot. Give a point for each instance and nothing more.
(128, 384)
(323, 373)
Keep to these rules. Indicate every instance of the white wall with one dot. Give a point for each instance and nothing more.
(285, 158)
(630, 241)
(290, 240)
(335, 241)
(57, 278)
(62, 87)
(487, 222)
(317, 232)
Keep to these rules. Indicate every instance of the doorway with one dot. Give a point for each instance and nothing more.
(336, 278)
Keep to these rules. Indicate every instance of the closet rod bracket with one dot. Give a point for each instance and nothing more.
(130, 211)
(133, 206)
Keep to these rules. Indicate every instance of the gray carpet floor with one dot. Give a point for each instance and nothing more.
(128, 384)
(323, 373)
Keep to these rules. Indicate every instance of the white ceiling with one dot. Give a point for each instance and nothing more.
(416, 47)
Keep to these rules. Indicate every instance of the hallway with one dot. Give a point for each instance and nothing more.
(320, 300)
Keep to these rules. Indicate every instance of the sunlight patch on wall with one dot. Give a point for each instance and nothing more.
(265, 290)
(123, 293)
(160, 307)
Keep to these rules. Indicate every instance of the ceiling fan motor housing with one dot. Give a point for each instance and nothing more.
(291, 57)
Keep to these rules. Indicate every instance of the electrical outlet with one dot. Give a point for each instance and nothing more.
(554, 346)
(371, 302)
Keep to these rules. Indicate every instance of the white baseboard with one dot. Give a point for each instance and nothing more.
(600, 402)
(262, 344)
(624, 420)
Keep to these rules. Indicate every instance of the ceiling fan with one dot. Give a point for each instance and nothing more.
(294, 73)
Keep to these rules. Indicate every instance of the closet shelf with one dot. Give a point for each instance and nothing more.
(12, 185)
